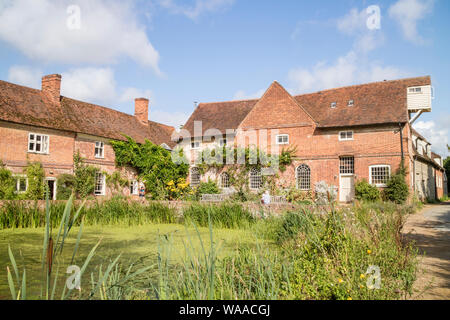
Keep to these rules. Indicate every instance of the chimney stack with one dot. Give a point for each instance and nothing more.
(141, 110)
(51, 87)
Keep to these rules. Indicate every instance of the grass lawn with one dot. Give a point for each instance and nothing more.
(136, 244)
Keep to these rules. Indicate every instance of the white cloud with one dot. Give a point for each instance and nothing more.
(89, 84)
(175, 119)
(108, 31)
(437, 133)
(346, 70)
(407, 13)
(198, 8)
(129, 94)
(352, 68)
(242, 95)
(25, 76)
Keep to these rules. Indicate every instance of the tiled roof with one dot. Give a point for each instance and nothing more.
(220, 115)
(374, 103)
(24, 105)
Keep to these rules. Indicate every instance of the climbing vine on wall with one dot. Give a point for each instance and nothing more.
(84, 177)
(35, 174)
(153, 164)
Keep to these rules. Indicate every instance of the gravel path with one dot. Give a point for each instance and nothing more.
(430, 229)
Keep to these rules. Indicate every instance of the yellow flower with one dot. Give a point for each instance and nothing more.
(361, 286)
(369, 251)
(362, 276)
(349, 298)
(170, 183)
(340, 280)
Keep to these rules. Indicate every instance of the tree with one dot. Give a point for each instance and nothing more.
(447, 170)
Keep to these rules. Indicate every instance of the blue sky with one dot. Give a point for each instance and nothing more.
(177, 52)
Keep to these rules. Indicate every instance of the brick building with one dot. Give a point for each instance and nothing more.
(341, 135)
(41, 125)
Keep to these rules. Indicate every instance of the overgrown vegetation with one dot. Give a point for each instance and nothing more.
(7, 183)
(366, 192)
(153, 164)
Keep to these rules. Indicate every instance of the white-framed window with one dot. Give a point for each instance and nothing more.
(38, 143)
(283, 139)
(21, 183)
(224, 180)
(195, 177)
(134, 187)
(303, 177)
(351, 103)
(100, 183)
(222, 142)
(333, 105)
(195, 145)
(347, 165)
(415, 90)
(379, 175)
(99, 149)
(255, 179)
(345, 135)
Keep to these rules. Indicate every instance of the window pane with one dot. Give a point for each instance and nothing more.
(195, 177)
(31, 147)
(304, 177)
(255, 179)
(347, 165)
(380, 175)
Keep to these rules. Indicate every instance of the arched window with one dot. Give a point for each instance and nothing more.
(255, 179)
(303, 174)
(195, 177)
(224, 180)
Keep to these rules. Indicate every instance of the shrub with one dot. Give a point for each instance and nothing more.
(209, 187)
(84, 177)
(66, 185)
(291, 224)
(396, 189)
(35, 174)
(324, 193)
(295, 195)
(7, 183)
(366, 192)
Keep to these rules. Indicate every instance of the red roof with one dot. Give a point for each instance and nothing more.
(29, 106)
(374, 103)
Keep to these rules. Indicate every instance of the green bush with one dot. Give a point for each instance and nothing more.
(7, 184)
(366, 192)
(396, 189)
(35, 174)
(84, 177)
(209, 187)
(66, 185)
(292, 223)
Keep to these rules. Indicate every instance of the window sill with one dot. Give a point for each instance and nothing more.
(40, 153)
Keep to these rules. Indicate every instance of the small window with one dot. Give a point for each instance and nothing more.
(351, 103)
(99, 149)
(134, 187)
(21, 184)
(222, 142)
(333, 105)
(347, 165)
(345, 135)
(195, 144)
(415, 90)
(38, 143)
(99, 184)
(379, 175)
(255, 179)
(195, 177)
(224, 180)
(283, 139)
(303, 174)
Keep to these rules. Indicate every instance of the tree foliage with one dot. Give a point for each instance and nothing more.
(35, 174)
(153, 163)
(7, 183)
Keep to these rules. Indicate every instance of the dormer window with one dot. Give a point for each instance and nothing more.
(333, 105)
(415, 90)
(351, 103)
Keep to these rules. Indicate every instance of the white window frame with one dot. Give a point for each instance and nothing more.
(222, 177)
(198, 180)
(44, 143)
(381, 185)
(135, 188)
(99, 145)
(223, 142)
(351, 103)
(282, 136)
(305, 171)
(415, 90)
(18, 177)
(346, 135)
(333, 105)
(103, 184)
(255, 174)
(194, 143)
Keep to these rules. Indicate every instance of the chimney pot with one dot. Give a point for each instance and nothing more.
(141, 110)
(51, 87)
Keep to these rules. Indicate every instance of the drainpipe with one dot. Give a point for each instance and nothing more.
(401, 140)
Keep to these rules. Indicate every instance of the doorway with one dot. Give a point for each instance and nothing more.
(346, 188)
(51, 183)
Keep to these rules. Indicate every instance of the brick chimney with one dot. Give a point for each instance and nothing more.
(141, 110)
(51, 87)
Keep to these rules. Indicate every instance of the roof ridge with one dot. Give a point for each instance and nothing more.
(360, 85)
(230, 101)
